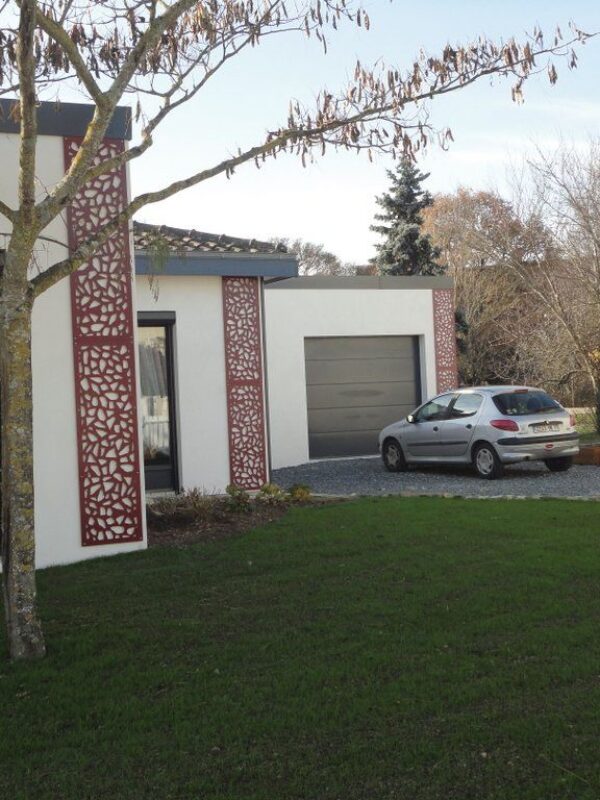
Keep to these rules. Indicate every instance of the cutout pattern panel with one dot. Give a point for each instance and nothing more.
(105, 385)
(244, 374)
(445, 340)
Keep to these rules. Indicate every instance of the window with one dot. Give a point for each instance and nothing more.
(466, 405)
(524, 402)
(155, 342)
(435, 409)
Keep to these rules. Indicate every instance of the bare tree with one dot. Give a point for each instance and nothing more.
(314, 259)
(478, 233)
(161, 54)
(526, 275)
(562, 197)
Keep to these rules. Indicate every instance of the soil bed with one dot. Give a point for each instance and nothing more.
(181, 528)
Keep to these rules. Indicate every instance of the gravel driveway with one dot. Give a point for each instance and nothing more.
(368, 476)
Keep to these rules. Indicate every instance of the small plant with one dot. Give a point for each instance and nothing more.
(191, 505)
(271, 494)
(238, 499)
(299, 493)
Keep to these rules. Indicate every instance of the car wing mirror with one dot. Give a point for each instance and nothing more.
(411, 418)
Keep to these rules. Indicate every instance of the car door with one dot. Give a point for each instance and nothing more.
(421, 438)
(457, 429)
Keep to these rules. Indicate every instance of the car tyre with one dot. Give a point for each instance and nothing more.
(560, 464)
(486, 462)
(393, 457)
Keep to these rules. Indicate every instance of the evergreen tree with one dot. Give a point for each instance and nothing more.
(405, 249)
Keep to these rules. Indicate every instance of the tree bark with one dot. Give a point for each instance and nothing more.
(596, 386)
(25, 637)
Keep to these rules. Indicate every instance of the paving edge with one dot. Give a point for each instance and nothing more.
(594, 498)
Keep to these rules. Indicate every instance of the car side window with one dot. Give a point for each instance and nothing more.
(435, 409)
(466, 405)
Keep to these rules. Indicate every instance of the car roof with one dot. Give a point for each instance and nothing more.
(499, 389)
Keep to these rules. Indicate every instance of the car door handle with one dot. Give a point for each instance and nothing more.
(468, 427)
(436, 428)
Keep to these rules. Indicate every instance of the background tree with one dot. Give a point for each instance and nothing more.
(314, 259)
(476, 233)
(561, 198)
(527, 277)
(405, 249)
(160, 54)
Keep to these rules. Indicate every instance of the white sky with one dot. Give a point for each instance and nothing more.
(332, 201)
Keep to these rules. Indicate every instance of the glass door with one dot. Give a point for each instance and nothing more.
(155, 341)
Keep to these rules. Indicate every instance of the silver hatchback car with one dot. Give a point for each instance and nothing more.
(486, 426)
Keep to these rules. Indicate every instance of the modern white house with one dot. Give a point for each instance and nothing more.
(180, 359)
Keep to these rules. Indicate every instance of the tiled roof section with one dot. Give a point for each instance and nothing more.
(179, 240)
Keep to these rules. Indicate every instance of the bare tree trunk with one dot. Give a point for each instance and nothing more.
(596, 386)
(25, 638)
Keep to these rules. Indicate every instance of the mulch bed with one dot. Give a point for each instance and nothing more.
(589, 454)
(220, 522)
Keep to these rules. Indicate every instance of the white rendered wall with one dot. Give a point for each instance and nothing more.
(200, 388)
(294, 314)
(56, 471)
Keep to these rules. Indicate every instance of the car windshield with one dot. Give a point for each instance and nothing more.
(522, 403)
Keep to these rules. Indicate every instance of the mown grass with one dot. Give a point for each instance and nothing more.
(412, 649)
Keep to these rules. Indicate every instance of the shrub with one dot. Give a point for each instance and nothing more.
(299, 493)
(271, 494)
(191, 505)
(238, 499)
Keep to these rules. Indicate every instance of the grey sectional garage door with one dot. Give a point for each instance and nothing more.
(356, 385)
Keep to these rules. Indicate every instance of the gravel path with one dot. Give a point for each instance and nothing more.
(368, 476)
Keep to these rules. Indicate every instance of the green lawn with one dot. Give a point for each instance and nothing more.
(384, 649)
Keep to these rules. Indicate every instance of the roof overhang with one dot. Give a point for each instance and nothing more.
(65, 119)
(260, 265)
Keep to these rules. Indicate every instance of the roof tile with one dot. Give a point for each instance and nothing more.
(179, 240)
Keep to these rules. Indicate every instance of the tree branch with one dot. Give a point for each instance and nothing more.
(28, 111)
(7, 211)
(275, 143)
(59, 34)
(75, 176)
(168, 107)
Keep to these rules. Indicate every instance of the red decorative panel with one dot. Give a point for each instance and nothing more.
(445, 339)
(244, 371)
(105, 387)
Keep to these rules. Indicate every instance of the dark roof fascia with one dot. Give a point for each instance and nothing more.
(387, 282)
(261, 265)
(66, 119)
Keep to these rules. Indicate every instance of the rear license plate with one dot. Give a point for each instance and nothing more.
(546, 427)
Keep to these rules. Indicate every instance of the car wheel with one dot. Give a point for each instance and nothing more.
(560, 464)
(486, 462)
(393, 457)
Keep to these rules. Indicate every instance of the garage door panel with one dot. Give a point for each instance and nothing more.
(340, 420)
(355, 386)
(352, 395)
(341, 347)
(327, 445)
(358, 370)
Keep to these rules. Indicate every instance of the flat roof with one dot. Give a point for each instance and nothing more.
(387, 282)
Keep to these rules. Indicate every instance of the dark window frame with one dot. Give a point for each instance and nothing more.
(472, 413)
(166, 320)
(441, 417)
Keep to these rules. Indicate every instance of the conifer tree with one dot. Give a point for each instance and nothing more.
(405, 250)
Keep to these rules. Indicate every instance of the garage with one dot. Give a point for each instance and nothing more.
(355, 385)
(347, 355)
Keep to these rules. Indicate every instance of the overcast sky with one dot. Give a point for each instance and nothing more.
(332, 201)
